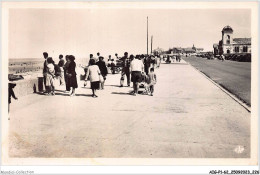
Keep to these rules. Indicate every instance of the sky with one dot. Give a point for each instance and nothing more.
(83, 31)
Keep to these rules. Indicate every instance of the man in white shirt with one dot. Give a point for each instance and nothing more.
(136, 69)
(109, 61)
(97, 58)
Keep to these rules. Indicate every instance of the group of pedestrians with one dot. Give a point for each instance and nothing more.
(112, 62)
(63, 73)
(141, 70)
(96, 73)
(138, 69)
(170, 59)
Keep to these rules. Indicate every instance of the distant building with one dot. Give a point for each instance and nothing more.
(198, 50)
(158, 51)
(188, 50)
(230, 45)
(175, 50)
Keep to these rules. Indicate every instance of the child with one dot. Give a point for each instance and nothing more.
(50, 76)
(151, 80)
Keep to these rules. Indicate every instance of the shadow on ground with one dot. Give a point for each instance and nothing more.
(121, 93)
(113, 85)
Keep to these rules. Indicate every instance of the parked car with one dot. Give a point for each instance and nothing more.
(210, 56)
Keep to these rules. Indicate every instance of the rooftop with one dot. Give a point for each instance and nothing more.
(242, 40)
(215, 45)
(189, 49)
(227, 29)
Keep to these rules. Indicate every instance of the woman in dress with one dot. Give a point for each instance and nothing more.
(65, 68)
(93, 73)
(103, 70)
(50, 76)
(72, 75)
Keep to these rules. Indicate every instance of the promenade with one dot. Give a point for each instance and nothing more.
(188, 117)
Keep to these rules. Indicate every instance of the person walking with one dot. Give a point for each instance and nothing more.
(45, 55)
(113, 66)
(61, 64)
(90, 58)
(72, 75)
(222, 57)
(136, 68)
(178, 58)
(153, 61)
(109, 61)
(97, 58)
(151, 80)
(158, 61)
(168, 60)
(125, 69)
(103, 69)
(50, 77)
(65, 68)
(11, 86)
(147, 63)
(94, 76)
(116, 56)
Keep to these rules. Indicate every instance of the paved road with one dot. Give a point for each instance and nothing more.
(233, 76)
(188, 117)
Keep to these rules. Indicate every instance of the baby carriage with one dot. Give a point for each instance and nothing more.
(143, 86)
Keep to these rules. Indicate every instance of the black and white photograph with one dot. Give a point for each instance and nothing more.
(115, 83)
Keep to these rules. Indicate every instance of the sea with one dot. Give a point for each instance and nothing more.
(21, 66)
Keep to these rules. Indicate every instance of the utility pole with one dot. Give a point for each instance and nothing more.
(147, 35)
(151, 44)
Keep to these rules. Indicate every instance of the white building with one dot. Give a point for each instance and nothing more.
(231, 45)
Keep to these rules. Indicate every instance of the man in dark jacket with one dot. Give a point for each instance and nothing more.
(45, 55)
(147, 63)
(11, 86)
(103, 69)
(125, 69)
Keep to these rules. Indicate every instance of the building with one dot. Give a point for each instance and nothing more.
(188, 50)
(158, 51)
(175, 50)
(197, 50)
(230, 45)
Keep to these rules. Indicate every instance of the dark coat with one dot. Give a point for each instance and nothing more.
(45, 69)
(72, 75)
(61, 63)
(11, 92)
(102, 67)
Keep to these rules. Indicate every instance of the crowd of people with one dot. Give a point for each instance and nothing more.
(141, 70)
(138, 69)
(63, 72)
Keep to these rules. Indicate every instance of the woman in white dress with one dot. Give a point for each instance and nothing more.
(93, 72)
